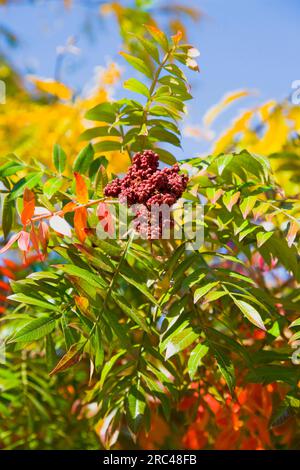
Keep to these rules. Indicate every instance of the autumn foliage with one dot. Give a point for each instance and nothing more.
(140, 342)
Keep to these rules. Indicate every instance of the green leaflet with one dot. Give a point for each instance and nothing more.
(178, 341)
(29, 300)
(141, 287)
(225, 365)
(204, 290)
(34, 330)
(72, 270)
(131, 312)
(7, 216)
(29, 181)
(59, 158)
(136, 406)
(84, 159)
(251, 313)
(136, 86)
(108, 366)
(195, 359)
(138, 64)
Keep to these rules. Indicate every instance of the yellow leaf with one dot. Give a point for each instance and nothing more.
(226, 139)
(265, 109)
(294, 115)
(118, 162)
(227, 99)
(48, 85)
(275, 136)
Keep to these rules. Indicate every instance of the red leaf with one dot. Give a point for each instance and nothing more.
(105, 218)
(28, 206)
(81, 189)
(80, 223)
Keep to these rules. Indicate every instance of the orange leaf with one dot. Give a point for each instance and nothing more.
(69, 207)
(82, 302)
(81, 189)
(293, 230)
(28, 206)
(177, 37)
(71, 357)
(80, 223)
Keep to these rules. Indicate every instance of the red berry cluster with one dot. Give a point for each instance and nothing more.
(145, 184)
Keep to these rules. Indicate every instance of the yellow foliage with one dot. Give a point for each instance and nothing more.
(270, 134)
(227, 99)
(275, 136)
(31, 128)
(47, 85)
(228, 137)
(294, 116)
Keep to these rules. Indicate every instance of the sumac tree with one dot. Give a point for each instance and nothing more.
(151, 326)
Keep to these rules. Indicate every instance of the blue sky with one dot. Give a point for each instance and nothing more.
(244, 44)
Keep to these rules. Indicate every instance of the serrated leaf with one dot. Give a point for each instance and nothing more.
(71, 357)
(101, 131)
(136, 86)
(141, 287)
(107, 146)
(59, 158)
(131, 312)
(230, 199)
(225, 366)
(51, 356)
(10, 168)
(292, 232)
(158, 36)
(201, 291)
(7, 216)
(250, 313)
(29, 181)
(136, 406)
(34, 330)
(195, 359)
(165, 156)
(84, 159)
(163, 135)
(295, 323)
(138, 64)
(247, 205)
(105, 112)
(52, 186)
(180, 341)
(81, 189)
(92, 279)
(262, 237)
(108, 366)
(29, 300)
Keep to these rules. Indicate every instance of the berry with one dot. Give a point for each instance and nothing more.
(145, 184)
